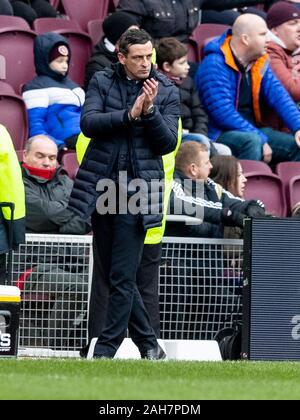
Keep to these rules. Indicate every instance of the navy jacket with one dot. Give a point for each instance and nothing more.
(105, 120)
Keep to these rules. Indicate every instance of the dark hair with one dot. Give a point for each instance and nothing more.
(225, 172)
(133, 37)
(168, 50)
(187, 153)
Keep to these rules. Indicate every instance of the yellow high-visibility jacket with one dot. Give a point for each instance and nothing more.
(12, 191)
(154, 235)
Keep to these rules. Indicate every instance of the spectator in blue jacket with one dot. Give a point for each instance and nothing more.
(236, 84)
(52, 99)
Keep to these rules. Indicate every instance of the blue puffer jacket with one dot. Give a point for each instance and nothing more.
(53, 101)
(218, 80)
(104, 119)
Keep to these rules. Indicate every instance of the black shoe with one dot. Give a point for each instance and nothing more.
(93, 352)
(84, 351)
(154, 354)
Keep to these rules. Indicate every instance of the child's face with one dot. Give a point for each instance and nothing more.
(180, 67)
(60, 65)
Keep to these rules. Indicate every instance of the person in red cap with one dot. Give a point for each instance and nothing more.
(52, 99)
(283, 20)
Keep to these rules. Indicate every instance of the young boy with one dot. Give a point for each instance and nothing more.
(171, 58)
(53, 100)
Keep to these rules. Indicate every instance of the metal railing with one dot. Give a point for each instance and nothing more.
(200, 289)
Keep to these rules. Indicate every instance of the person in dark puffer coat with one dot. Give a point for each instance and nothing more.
(131, 114)
(105, 54)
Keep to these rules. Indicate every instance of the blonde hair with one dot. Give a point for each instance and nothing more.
(187, 153)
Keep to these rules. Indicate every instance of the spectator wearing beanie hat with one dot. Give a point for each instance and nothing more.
(283, 20)
(52, 99)
(281, 12)
(104, 54)
(59, 50)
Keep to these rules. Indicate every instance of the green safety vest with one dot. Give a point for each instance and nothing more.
(154, 235)
(11, 182)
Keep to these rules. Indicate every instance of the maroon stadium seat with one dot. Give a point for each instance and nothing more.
(114, 3)
(249, 165)
(294, 191)
(84, 11)
(13, 22)
(70, 164)
(205, 31)
(192, 52)
(268, 189)
(286, 171)
(95, 30)
(19, 153)
(6, 88)
(45, 24)
(16, 46)
(13, 115)
(55, 3)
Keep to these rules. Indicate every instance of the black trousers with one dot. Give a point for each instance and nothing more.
(119, 241)
(2, 268)
(147, 283)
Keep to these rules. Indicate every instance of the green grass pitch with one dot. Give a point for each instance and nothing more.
(135, 379)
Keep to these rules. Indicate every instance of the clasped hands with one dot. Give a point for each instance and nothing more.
(144, 101)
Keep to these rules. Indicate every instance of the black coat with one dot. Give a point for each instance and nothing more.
(209, 202)
(100, 59)
(194, 117)
(105, 120)
(165, 18)
(175, 17)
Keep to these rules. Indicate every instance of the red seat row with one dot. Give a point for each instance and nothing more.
(279, 191)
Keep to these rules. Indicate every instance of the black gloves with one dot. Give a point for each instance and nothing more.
(255, 209)
(233, 218)
(236, 218)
